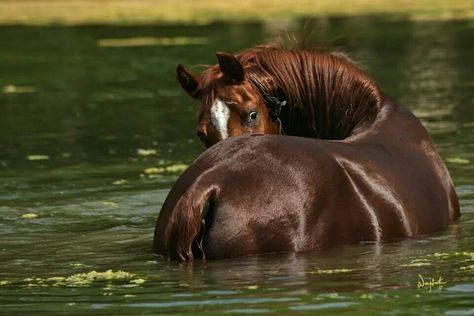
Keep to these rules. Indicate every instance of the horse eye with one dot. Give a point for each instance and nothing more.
(252, 116)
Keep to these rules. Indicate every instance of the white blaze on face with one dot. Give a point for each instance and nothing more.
(220, 114)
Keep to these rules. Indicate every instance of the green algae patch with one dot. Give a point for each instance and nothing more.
(29, 216)
(461, 259)
(137, 281)
(37, 157)
(146, 152)
(176, 168)
(154, 172)
(88, 279)
(110, 204)
(458, 160)
(330, 271)
(464, 255)
(77, 265)
(120, 182)
(417, 263)
(12, 89)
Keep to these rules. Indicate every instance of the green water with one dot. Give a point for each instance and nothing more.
(74, 114)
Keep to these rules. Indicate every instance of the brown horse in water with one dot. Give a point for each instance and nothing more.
(366, 169)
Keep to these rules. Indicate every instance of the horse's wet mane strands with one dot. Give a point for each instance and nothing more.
(328, 95)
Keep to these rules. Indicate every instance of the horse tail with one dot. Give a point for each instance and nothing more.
(181, 226)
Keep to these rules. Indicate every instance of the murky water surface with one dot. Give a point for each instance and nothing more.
(84, 119)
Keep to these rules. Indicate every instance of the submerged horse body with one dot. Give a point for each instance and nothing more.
(367, 170)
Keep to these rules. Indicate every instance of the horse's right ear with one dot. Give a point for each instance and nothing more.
(231, 67)
(188, 81)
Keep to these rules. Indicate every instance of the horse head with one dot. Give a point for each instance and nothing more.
(329, 97)
(229, 104)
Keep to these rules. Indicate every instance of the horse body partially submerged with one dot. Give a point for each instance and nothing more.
(266, 193)
(364, 169)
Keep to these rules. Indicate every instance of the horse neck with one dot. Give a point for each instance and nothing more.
(328, 96)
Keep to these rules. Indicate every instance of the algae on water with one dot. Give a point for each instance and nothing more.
(146, 152)
(87, 279)
(458, 160)
(120, 182)
(154, 171)
(110, 204)
(330, 271)
(37, 157)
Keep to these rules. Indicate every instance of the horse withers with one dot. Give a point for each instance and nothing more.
(366, 170)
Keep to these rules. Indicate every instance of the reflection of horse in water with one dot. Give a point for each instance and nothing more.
(365, 170)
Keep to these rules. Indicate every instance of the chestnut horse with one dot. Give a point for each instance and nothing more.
(367, 169)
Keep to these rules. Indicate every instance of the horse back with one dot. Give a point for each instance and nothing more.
(260, 193)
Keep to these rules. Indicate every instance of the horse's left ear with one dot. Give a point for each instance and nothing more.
(188, 81)
(231, 67)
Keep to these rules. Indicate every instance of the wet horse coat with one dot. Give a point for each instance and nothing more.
(382, 180)
(266, 193)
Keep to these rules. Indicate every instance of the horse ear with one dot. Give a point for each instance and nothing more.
(230, 66)
(188, 81)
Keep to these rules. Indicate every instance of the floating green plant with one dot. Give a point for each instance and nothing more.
(120, 182)
(11, 89)
(86, 279)
(37, 157)
(458, 160)
(417, 263)
(330, 271)
(367, 296)
(146, 152)
(153, 171)
(110, 204)
(446, 255)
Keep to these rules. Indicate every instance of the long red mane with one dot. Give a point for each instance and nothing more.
(328, 96)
